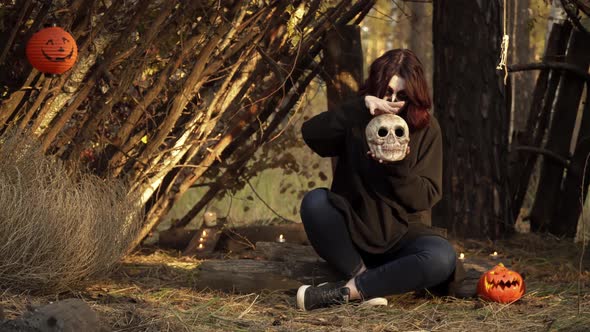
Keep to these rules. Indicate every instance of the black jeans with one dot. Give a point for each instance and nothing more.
(422, 263)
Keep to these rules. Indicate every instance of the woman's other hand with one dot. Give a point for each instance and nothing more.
(378, 106)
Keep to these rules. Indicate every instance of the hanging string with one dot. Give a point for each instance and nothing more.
(504, 47)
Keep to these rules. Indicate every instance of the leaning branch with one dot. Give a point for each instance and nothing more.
(547, 153)
(572, 15)
(583, 5)
(14, 30)
(572, 69)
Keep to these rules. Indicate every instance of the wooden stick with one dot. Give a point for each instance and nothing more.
(551, 65)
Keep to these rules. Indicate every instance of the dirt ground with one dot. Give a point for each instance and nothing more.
(154, 292)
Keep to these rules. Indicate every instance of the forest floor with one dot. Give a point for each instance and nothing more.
(154, 292)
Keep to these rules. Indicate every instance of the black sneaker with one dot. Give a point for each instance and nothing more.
(372, 302)
(333, 284)
(314, 297)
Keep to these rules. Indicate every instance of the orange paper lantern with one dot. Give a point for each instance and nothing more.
(52, 50)
(501, 284)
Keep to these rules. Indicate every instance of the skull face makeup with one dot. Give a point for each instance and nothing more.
(388, 137)
(395, 89)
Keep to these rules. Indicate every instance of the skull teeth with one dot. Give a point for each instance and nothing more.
(390, 148)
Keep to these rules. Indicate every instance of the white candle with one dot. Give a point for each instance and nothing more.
(210, 219)
(281, 238)
(462, 256)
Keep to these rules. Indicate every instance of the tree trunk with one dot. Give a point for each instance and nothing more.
(523, 82)
(343, 66)
(420, 39)
(469, 103)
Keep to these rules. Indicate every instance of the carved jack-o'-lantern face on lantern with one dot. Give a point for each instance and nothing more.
(501, 284)
(52, 50)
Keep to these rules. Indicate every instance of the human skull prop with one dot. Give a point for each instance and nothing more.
(388, 137)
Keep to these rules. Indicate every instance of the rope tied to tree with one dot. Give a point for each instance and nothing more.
(503, 56)
(504, 47)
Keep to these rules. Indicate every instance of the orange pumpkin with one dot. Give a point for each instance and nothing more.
(501, 284)
(52, 50)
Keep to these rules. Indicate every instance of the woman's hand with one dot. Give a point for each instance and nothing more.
(369, 153)
(378, 106)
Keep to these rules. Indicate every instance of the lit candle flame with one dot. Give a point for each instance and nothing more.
(200, 246)
(462, 256)
(204, 233)
(201, 239)
(281, 238)
(495, 253)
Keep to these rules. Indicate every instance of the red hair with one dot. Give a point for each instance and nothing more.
(405, 64)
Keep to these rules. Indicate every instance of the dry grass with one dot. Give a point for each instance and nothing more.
(154, 292)
(57, 226)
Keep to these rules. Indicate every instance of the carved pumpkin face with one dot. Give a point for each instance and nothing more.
(501, 284)
(52, 50)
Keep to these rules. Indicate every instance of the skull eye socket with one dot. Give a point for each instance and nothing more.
(382, 132)
(399, 132)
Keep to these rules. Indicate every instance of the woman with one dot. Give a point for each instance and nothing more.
(373, 225)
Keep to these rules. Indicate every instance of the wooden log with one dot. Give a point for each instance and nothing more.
(175, 238)
(286, 252)
(243, 238)
(69, 315)
(286, 266)
(236, 239)
(248, 275)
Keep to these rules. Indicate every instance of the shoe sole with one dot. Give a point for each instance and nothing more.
(301, 297)
(376, 301)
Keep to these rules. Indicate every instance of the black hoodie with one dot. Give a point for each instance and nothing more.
(383, 203)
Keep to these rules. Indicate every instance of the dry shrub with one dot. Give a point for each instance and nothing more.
(58, 226)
